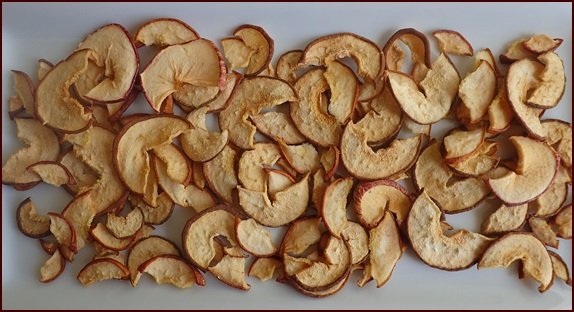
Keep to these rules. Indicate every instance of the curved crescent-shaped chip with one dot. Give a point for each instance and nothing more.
(52, 172)
(125, 226)
(257, 40)
(29, 222)
(146, 249)
(53, 267)
(199, 144)
(221, 175)
(63, 231)
(362, 162)
(254, 238)
(24, 95)
(554, 197)
(476, 91)
(303, 158)
(563, 221)
(560, 268)
(231, 271)
(452, 42)
(287, 65)
(334, 205)
(277, 125)
(163, 32)
(173, 270)
(559, 134)
(190, 96)
(505, 219)
(102, 269)
(386, 248)
(417, 43)
(251, 171)
(264, 268)
(460, 144)
(542, 230)
(552, 82)
(541, 43)
(330, 161)
(179, 168)
(372, 199)
(301, 234)
(384, 120)
(452, 253)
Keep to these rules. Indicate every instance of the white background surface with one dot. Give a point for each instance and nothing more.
(33, 31)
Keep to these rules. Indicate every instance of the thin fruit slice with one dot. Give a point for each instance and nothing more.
(277, 125)
(386, 248)
(221, 175)
(178, 166)
(516, 52)
(301, 234)
(439, 89)
(277, 181)
(63, 231)
(102, 269)
(220, 101)
(23, 98)
(452, 253)
(416, 41)
(536, 168)
(154, 215)
(330, 161)
(254, 238)
(163, 32)
(198, 177)
(113, 50)
(52, 173)
(500, 113)
(145, 250)
(200, 144)
(257, 40)
(344, 88)
(334, 205)
(482, 161)
(29, 222)
(362, 162)
(559, 135)
(452, 42)
(231, 271)
(367, 54)
(171, 269)
(106, 238)
(563, 221)
(476, 91)
(554, 197)
(560, 268)
(123, 227)
(53, 267)
(358, 240)
(236, 52)
(384, 120)
(372, 199)
(287, 65)
(303, 158)
(264, 268)
(460, 144)
(288, 205)
(251, 171)
(541, 43)
(198, 63)
(248, 98)
(49, 247)
(190, 96)
(542, 230)
(536, 262)
(550, 88)
(451, 194)
(486, 55)
(505, 219)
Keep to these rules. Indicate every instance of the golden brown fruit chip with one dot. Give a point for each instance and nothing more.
(251, 172)
(163, 32)
(452, 42)
(358, 240)
(287, 65)
(364, 163)
(101, 270)
(132, 144)
(477, 90)
(439, 89)
(236, 52)
(559, 135)
(334, 205)
(63, 231)
(516, 52)
(369, 89)
(386, 248)
(44, 67)
(535, 260)
(344, 88)
(123, 227)
(23, 98)
(173, 270)
(536, 168)
(505, 219)
(560, 268)
(113, 50)
(277, 125)
(384, 120)
(205, 68)
(248, 98)
(254, 238)
(551, 84)
(220, 174)
(330, 161)
(264, 268)
(301, 234)
(311, 119)
(257, 40)
(220, 101)
(154, 215)
(190, 96)
(542, 230)
(486, 55)
(416, 41)
(106, 238)
(179, 168)
(303, 158)
(53, 267)
(288, 205)
(500, 113)
(460, 144)
(521, 79)
(452, 253)
(231, 271)
(435, 177)
(145, 250)
(415, 127)
(52, 173)
(541, 43)
(29, 222)
(563, 221)
(277, 181)
(367, 55)
(373, 199)
(552, 199)
(483, 160)
(200, 144)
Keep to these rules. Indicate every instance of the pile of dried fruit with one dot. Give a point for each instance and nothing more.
(332, 133)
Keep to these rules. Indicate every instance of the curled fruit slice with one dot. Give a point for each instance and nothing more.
(453, 42)
(170, 269)
(29, 222)
(53, 267)
(373, 199)
(122, 227)
(164, 32)
(334, 205)
(200, 144)
(277, 125)
(416, 41)
(563, 220)
(386, 248)
(264, 268)
(286, 68)
(145, 250)
(550, 88)
(52, 173)
(23, 100)
(254, 238)
(102, 269)
(505, 219)
(541, 43)
(221, 175)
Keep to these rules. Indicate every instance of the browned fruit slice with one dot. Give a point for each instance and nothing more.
(373, 199)
(102, 269)
(551, 84)
(23, 98)
(254, 238)
(264, 268)
(53, 173)
(53, 267)
(171, 269)
(29, 222)
(452, 42)
(221, 175)
(505, 219)
(287, 65)
(563, 221)
(541, 43)
(386, 248)
(334, 205)
(145, 250)
(416, 41)
(164, 32)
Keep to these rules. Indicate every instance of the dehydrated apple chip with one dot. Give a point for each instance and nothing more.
(251, 171)
(452, 42)
(171, 269)
(385, 248)
(541, 43)
(542, 230)
(287, 65)
(334, 205)
(29, 222)
(373, 199)
(254, 238)
(264, 268)
(52, 173)
(551, 84)
(102, 269)
(23, 98)
(53, 267)
(145, 250)
(277, 125)
(559, 135)
(560, 268)
(476, 91)
(122, 227)
(460, 144)
(303, 158)
(221, 175)
(163, 32)
(505, 219)
(563, 221)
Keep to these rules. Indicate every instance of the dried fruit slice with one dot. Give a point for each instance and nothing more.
(479, 163)
(358, 241)
(344, 88)
(500, 113)
(251, 171)
(287, 65)
(257, 40)
(384, 120)
(452, 253)
(102, 269)
(416, 41)
(551, 84)
(106, 238)
(536, 168)
(541, 43)
(23, 98)
(220, 101)
(373, 199)
(220, 174)
(154, 215)
(334, 205)
(132, 144)
(486, 55)
(236, 52)
(552, 199)
(48, 246)
(303, 158)
(505, 219)
(277, 181)
(330, 161)
(200, 144)
(288, 205)
(53, 267)
(178, 166)
(563, 221)
(52, 173)
(325, 292)
(29, 222)
(190, 96)
(542, 230)
(362, 162)
(123, 227)
(476, 91)
(560, 268)
(535, 260)
(171, 269)
(452, 42)
(460, 144)
(367, 55)
(301, 234)
(204, 68)
(439, 89)
(264, 268)
(451, 194)
(277, 125)
(231, 271)
(63, 231)
(254, 238)
(163, 32)
(145, 250)
(113, 50)
(248, 98)
(515, 52)
(198, 175)
(559, 135)
(386, 248)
